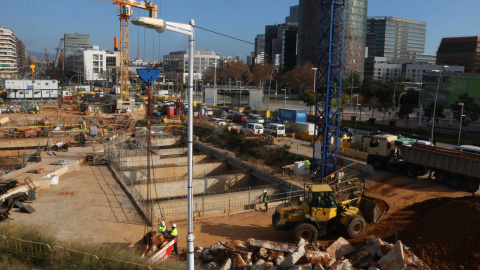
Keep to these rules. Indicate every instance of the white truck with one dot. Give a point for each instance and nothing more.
(303, 127)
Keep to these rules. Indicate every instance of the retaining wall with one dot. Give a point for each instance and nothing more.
(178, 172)
(158, 160)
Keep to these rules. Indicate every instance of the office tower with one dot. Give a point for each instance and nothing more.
(460, 51)
(399, 40)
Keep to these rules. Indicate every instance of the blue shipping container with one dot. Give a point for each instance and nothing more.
(292, 115)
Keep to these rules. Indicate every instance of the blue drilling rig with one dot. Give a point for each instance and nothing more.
(329, 85)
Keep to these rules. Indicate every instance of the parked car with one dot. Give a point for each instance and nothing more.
(218, 121)
(239, 118)
(423, 140)
(255, 119)
(253, 128)
(274, 129)
(348, 130)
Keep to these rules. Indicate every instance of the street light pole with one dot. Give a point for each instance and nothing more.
(435, 102)
(187, 29)
(461, 118)
(285, 105)
(356, 108)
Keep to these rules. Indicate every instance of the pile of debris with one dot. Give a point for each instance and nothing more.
(340, 255)
(13, 196)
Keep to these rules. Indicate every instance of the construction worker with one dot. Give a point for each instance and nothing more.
(265, 199)
(162, 228)
(174, 233)
(307, 164)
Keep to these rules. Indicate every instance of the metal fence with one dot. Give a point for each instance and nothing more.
(64, 256)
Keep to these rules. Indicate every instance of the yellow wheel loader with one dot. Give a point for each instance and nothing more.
(317, 214)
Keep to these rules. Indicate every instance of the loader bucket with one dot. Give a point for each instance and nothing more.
(373, 210)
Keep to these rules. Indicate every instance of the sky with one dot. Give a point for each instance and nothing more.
(41, 24)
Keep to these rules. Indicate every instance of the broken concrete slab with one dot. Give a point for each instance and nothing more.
(270, 245)
(293, 258)
(342, 265)
(318, 266)
(278, 260)
(226, 265)
(211, 266)
(340, 248)
(259, 265)
(319, 257)
(394, 259)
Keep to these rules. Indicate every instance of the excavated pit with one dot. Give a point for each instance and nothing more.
(221, 184)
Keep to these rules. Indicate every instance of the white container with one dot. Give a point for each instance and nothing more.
(53, 179)
(299, 168)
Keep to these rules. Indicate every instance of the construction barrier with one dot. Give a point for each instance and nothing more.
(25, 248)
(28, 248)
(72, 256)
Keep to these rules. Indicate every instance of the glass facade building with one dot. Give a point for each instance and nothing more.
(460, 51)
(400, 40)
(72, 44)
(355, 34)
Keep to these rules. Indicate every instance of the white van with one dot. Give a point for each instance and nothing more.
(468, 149)
(253, 128)
(274, 129)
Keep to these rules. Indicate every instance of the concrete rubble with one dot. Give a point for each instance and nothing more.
(256, 254)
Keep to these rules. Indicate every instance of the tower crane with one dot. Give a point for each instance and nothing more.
(125, 14)
(49, 72)
(329, 85)
(58, 62)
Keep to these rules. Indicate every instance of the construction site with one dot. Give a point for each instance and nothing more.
(112, 184)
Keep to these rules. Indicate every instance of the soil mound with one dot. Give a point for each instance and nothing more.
(444, 232)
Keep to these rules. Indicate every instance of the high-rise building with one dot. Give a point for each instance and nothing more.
(259, 53)
(354, 39)
(203, 61)
(399, 40)
(13, 57)
(281, 45)
(293, 17)
(72, 44)
(460, 51)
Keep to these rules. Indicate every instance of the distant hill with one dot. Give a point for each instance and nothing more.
(41, 55)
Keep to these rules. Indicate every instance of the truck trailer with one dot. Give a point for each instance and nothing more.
(458, 169)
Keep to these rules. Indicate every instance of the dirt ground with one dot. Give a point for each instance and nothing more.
(90, 206)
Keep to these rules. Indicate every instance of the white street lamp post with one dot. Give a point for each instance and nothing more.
(356, 108)
(187, 29)
(435, 102)
(314, 78)
(460, 128)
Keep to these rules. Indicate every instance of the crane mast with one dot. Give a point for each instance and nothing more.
(329, 85)
(125, 14)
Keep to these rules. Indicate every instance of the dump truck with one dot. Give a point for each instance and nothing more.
(317, 214)
(458, 169)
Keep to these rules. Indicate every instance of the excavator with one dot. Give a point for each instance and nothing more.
(318, 214)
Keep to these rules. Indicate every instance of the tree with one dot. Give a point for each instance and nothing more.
(263, 72)
(301, 77)
(233, 70)
(246, 77)
(405, 110)
(438, 111)
(471, 110)
(373, 103)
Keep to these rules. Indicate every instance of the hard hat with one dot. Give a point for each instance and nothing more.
(174, 225)
(162, 223)
(264, 191)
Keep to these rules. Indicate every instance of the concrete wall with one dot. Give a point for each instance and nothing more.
(158, 160)
(221, 204)
(167, 141)
(179, 172)
(167, 189)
